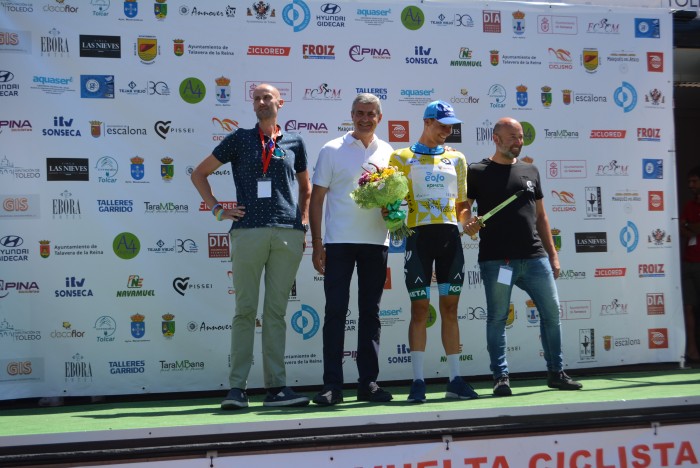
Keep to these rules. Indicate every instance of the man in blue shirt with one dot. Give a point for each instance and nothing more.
(267, 233)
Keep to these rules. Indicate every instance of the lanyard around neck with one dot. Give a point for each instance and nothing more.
(267, 150)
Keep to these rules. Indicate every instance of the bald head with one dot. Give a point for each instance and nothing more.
(508, 137)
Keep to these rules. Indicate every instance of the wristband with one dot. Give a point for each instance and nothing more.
(220, 214)
(213, 210)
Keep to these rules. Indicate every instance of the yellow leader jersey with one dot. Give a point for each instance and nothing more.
(435, 182)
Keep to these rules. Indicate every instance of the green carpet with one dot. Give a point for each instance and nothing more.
(142, 414)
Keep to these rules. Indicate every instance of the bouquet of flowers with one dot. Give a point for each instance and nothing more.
(385, 188)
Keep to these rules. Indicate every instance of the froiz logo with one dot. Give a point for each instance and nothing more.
(162, 128)
(180, 285)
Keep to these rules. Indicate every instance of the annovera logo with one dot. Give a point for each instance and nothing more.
(126, 245)
(297, 15)
(412, 18)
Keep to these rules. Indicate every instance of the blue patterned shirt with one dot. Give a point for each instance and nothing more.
(242, 148)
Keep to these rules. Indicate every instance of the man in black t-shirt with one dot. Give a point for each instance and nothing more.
(516, 248)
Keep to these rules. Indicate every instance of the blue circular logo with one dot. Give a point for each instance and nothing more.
(629, 236)
(297, 15)
(626, 97)
(306, 322)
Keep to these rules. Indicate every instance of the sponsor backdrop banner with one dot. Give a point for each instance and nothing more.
(116, 279)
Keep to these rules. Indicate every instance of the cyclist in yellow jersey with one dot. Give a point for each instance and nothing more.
(437, 204)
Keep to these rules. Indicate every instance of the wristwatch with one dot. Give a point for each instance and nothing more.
(305, 226)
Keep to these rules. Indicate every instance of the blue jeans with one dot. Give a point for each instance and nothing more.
(535, 277)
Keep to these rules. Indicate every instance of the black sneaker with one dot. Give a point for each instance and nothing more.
(328, 396)
(235, 399)
(373, 393)
(458, 388)
(562, 381)
(285, 397)
(501, 386)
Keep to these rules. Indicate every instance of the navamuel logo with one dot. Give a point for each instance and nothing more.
(399, 131)
(658, 338)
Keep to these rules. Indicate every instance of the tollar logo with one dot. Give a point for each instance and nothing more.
(655, 62)
(399, 131)
(656, 200)
(658, 338)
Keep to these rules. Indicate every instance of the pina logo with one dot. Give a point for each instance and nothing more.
(412, 18)
(311, 127)
(297, 15)
(625, 97)
(358, 53)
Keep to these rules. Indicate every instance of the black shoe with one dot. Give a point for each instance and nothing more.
(374, 393)
(328, 396)
(235, 399)
(501, 386)
(562, 381)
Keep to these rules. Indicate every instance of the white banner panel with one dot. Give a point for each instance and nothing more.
(662, 446)
(114, 278)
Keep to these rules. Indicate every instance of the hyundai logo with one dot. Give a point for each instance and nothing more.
(11, 241)
(330, 8)
(6, 76)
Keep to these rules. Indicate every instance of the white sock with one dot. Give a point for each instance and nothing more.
(453, 365)
(417, 358)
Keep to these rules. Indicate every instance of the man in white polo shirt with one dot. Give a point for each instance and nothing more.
(354, 237)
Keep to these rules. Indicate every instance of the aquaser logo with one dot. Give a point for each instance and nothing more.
(274, 51)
